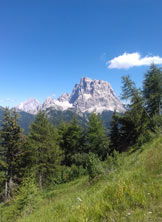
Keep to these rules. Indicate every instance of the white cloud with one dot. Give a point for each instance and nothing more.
(128, 60)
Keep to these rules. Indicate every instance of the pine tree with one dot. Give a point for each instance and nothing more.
(11, 152)
(96, 139)
(46, 155)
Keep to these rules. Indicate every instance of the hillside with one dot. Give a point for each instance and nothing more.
(129, 190)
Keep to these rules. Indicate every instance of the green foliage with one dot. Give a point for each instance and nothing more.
(94, 167)
(96, 139)
(131, 128)
(11, 153)
(71, 173)
(152, 90)
(128, 88)
(57, 116)
(72, 140)
(80, 159)
(25, 201)
(114, 133)
(28, 196)
(66, 174)
(157, 123)
(46, 155)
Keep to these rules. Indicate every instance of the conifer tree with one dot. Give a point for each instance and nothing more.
(133, 124)
(114, 133)
(72, 140)
(96, 139)
(46, 155)
(152, 90)
(11, 152)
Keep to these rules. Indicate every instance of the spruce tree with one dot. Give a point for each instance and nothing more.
(96, 138)
(11, 152)
(152, 90)
(134, 122)
(114, 133)
(45, 152)
(72, 140)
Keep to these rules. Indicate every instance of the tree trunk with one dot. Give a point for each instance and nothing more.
(40, 181)
(10, 186)
(6, 191)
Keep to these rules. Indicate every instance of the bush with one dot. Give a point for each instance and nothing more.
(94, 167)
(67, 174)
(80, 159)
(28, 196)
(115, 161)
(24, 202)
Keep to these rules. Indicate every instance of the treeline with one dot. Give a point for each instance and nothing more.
(56, 155)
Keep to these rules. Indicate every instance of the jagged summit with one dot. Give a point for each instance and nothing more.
(30, 105)
(95, 95)
(87, 96)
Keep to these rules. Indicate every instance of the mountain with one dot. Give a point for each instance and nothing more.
(94, 96)
(59, 104)
(87, 96)
(30, 105)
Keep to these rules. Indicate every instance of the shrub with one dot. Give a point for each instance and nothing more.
(67, 174)
(24, 202)
(94, 166)
(28, 196)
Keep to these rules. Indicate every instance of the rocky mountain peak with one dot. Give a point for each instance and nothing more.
(30, 105)
(64, 97)
(49, 102)
(94, 95)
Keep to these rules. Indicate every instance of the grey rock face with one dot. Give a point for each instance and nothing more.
(49, 103)
(95, 96)
(64, 97)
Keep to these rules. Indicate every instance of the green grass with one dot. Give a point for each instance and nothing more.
(131, 191)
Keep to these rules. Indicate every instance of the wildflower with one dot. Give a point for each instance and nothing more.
(78, 198)
(129, 213)
(149, 212)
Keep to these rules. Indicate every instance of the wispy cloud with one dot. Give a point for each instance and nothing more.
(129, 60)
(103, 57)
(7, 100)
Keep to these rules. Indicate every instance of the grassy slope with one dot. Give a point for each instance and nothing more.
(130, 192)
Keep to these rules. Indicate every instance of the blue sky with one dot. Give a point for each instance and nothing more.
(46, 46)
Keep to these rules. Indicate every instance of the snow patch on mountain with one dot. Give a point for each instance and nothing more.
(30, 105)
(60, 104)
